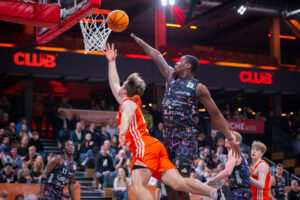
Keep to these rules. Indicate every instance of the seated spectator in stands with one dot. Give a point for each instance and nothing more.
(112, 108)
(246, 114)
(202, 155)
(201, 141)
(259, 117)
(35, 141)
(111, 127)
(220, 155)
(104, 134)
(227, 112)
(64, 104)
(23, 148)
(48, 158)
(91, 129)
(111, 151)
(212, 139)
(120, 159)
(158, 133)
(38, 168)
(213, 162)
(236, 115)
(19, 197)
(297, 147)
(5, 146)
(114, 143)
(103, 166)
(4, 121)
(127, 167)
(77, 136)
(215, 171)
(103, 105)
(3, 196)
(62, 127)
(25, 174)
(12, 133)
(220, 166)
(86, 148)
(2, 134)
(74, 120)
(20, 123)
(31, 156)
(121, 184)
(8, 176)
(201, 167)
(24, 131)
(14, 158)
(207, 176)
(3, 159)
(193, 174)
(294, 193)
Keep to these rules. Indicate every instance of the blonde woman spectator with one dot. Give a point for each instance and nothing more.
(120, 184)
(24, 131)
(38, 168)
(201, 166)
(24, 174)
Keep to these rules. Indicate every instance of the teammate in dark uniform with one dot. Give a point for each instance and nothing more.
(237, 169)
(179, 103)
(59, 172)
(277, 184)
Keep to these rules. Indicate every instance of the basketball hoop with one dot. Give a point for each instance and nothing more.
(95, 31)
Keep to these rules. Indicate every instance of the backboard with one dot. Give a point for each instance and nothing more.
(71, 12)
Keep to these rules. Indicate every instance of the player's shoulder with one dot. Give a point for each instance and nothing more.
(264, 165)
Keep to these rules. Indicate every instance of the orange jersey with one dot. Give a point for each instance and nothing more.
(261, 194)
(144, 147)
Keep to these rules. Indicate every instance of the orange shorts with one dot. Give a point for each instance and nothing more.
(156, 159)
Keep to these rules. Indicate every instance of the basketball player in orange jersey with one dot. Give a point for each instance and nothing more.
(182, 94)
(149, 156)
(261, 173)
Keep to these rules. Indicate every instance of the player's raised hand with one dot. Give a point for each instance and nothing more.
(236, 151)
(110, 52)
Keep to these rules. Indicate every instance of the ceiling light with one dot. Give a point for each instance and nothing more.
(164, 2)
(242, 9)
(172, 2)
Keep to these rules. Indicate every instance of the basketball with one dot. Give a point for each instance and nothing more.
(117, 20)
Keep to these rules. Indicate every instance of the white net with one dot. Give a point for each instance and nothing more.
(95, 32)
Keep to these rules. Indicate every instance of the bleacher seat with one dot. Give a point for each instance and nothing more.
(297, 171)
(278, 156)
(289, 163)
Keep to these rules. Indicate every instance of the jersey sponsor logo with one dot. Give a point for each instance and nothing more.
(190, 85)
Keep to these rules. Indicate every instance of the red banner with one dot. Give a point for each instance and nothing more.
(244, 126)
(29, 191)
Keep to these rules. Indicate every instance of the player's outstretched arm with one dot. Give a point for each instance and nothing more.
(262, 175)
(113, 77)
(230, 164)
(53, 164)
(156, 56)
(71, 188)
(128, 111)
(216, 115)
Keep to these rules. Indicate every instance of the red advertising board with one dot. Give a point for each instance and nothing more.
(244, 126)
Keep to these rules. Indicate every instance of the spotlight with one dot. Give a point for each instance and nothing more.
(171, 2)
(242, 9)
(164, 2)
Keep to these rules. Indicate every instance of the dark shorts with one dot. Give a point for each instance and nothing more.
(241, 194)
(53, 193)
(182, 148)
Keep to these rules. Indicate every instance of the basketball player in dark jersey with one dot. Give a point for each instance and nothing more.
(59, 172)
(179, 104)
(238, 172)
(277, 184)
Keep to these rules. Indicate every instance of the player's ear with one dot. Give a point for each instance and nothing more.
(188, 66)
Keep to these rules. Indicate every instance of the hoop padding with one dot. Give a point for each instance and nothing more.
(89, 8)
(34, 14)
(95, 33)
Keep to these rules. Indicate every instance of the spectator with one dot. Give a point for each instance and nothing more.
(104, 135)
(120, 184)
(31, 156)
(198, 124)
(24, 131)
(114, 143)
(5, 120)
(111, 128)
(220, 155)
(3, 196)
(207, 175)
(158, 133)
(201, 167)
(213, 163)
(193, 175)
(103, 105)
(23, 148)
(86, 148)
(92, 130)
(38, 168)
(24, 174)
(35, 141)
(236, 115)
(212, 139)
(156, 114)
(49, 157)
(64, 104)
(2, 134)
(120, 159)
(75, 119)
(38, 112)
(294, 193)
(20, 123)
(14, 158)
(5, 146)
(12, 133)
(111, 151)
(258, 116)
(103, 165)
(77, 136)
(127, 167)
(227, 112)
(8, 176)
(215, 171)
(62, 126)
(19, 197)
(201, 141)
(220, 166)
(3, 159)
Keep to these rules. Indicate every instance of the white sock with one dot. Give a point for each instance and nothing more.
(214, 194)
